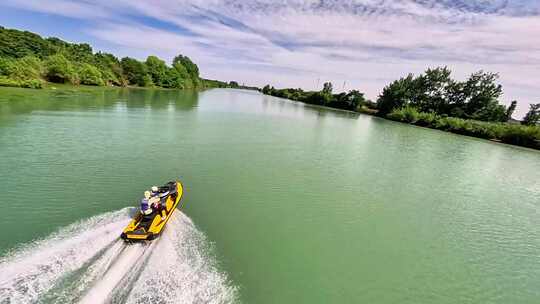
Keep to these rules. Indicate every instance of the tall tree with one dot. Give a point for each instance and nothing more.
(532, 117)
(396, 95)
(327, 88)
(510, 110)
(135, 71)
(157, 69)
(482, 93)
(431, 91)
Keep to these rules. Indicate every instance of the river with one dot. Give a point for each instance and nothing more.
(284, 202)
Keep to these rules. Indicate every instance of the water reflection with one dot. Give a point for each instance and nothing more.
(15, 101)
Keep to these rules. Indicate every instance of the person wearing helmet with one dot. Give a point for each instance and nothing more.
(146, 207)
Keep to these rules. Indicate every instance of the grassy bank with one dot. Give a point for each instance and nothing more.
(515, 134)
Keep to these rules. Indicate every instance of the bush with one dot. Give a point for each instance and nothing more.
(60, 70)
(6, 82)
(528, 136)
(31, 84)
(6, 66)
(405, 114)
(90, 75)
(28, 67)
(426, 119)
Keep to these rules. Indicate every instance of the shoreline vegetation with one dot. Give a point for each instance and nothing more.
(435, 100)
(432, 99)
(29, 61)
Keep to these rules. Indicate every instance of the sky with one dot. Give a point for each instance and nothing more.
(362, 44)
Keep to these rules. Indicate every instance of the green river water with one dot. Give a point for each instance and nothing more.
(290, 203)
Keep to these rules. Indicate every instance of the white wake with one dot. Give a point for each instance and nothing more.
(88, 263)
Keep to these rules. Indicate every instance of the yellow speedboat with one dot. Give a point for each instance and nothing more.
(148, 227)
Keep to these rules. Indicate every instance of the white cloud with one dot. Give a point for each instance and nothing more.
(366, 43)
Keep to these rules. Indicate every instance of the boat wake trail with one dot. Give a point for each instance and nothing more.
(88, 263)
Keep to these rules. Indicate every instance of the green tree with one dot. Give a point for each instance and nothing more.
(90, 75)
(481, 94)
(135, 72)
(233, 84)
(532, 117)
(431, 90)
(327, 88)
(18, 44)
(60, 70)
(396, 95)
(6, 65)
(192, 68)
(173, 79)
(157, 69)
(110, 69)
(26, 68)
(190, 71)
(510, 110)
(186, 81)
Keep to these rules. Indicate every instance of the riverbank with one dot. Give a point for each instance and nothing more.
(508, 133)
(28, 60)
(513, 134)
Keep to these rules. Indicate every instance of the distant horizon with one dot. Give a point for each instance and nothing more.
(363, 44)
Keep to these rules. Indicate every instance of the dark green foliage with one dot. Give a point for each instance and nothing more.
(18, 44)
(327, 88)
(353, 100)
(60, 70)
(27, 56)
(110, 68)
(435, 91)
(157, 69)
(348, 101)
(188, 70)
(532, 117)
(135, 71)
(510, 110)
(210, 83)
(396, 95)
(191, 67)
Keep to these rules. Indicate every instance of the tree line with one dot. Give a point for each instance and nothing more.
(353, 100)
(434, 99)
(28, 60)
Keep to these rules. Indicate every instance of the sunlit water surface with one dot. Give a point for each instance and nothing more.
(285, 203)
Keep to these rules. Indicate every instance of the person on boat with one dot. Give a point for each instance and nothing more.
(157, 203)
(146, 206)
(155, 191)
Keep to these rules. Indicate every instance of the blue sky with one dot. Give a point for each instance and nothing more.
(362, 44)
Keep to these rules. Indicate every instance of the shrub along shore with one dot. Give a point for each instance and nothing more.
(27, 60)
(514, 134)
(435, 100)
